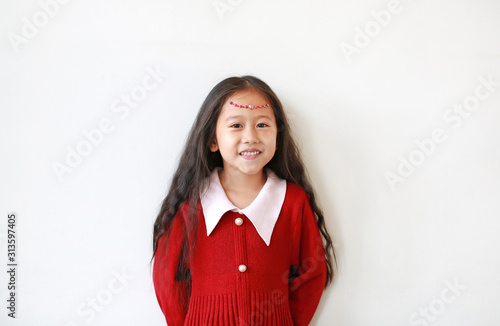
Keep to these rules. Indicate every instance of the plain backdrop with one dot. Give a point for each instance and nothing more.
(395, 105)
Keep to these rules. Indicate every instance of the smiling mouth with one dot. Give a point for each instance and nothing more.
(250, 153)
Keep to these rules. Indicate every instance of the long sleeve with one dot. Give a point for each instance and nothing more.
(171, 292)
(306, 289)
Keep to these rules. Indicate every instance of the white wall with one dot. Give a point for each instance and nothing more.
(422, 250)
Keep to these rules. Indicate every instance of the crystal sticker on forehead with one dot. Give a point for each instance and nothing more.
(249, 106)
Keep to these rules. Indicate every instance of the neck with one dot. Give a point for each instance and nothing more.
(240, 182)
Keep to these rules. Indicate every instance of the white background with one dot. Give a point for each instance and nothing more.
(423, 251)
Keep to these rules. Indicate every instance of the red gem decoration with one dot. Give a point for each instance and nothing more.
(249, 106)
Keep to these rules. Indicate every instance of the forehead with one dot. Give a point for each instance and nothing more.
(246, 98)
(248, 95)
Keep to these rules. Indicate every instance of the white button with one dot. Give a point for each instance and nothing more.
(238, 221)
(242, 268)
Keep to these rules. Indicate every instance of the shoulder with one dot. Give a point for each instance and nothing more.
(294, 194)
(296, 191)
(296, 201)
(181, 218)
(185, 208)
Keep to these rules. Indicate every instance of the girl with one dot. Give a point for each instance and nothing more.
(240, 239)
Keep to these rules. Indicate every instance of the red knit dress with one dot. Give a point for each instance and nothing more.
(223, 293)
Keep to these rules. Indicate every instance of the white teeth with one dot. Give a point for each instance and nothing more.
(249, 153)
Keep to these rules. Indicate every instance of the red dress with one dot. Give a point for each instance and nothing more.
(259, 293)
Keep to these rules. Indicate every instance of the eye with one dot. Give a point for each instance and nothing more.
(235, 125)
(262, 125)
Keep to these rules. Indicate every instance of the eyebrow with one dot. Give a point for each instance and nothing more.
(239, 116)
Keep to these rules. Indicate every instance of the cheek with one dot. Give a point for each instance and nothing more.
(226, 141)
(273, 139)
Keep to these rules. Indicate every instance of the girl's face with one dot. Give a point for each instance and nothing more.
(245, 138)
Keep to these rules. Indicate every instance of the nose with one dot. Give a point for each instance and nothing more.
(250, 136)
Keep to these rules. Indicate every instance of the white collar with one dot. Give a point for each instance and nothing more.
(263, 212)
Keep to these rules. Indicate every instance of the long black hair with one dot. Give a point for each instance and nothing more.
(197, 162)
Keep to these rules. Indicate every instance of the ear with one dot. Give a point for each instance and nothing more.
(213, 146)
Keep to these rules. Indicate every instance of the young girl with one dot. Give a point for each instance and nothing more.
(240, 239)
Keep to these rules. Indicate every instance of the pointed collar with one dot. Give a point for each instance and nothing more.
(263, 212)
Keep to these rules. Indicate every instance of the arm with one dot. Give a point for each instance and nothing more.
(306, 289)
(172, 293)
